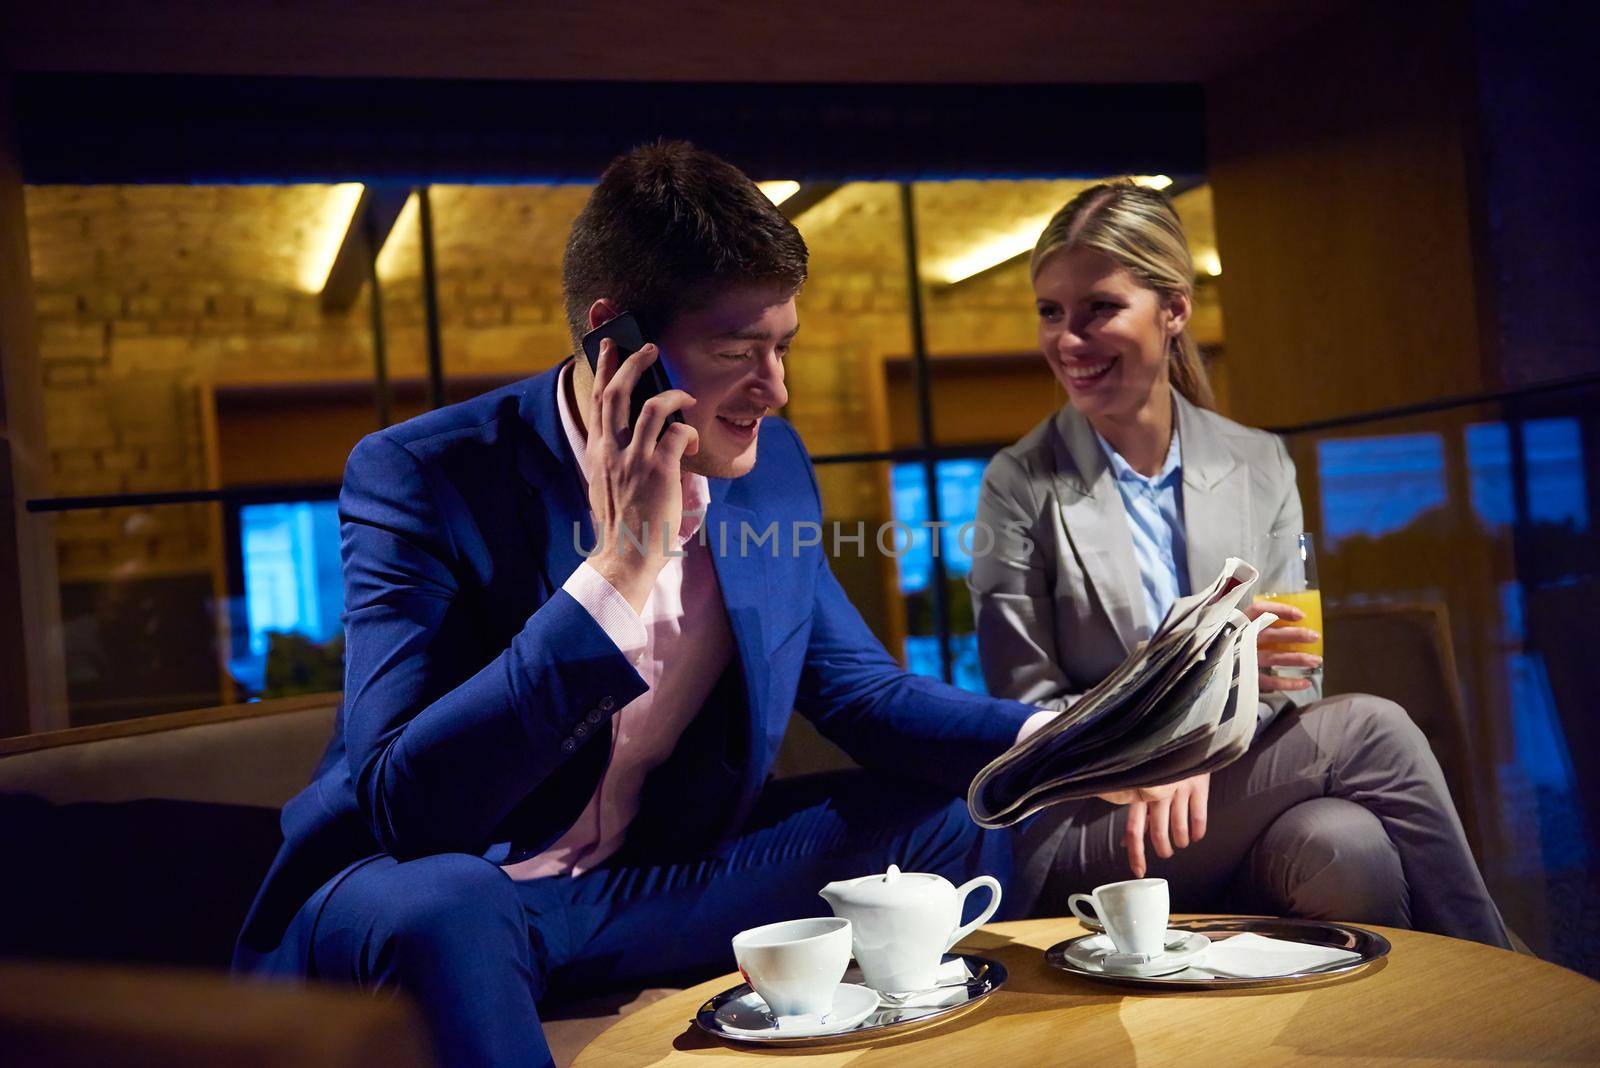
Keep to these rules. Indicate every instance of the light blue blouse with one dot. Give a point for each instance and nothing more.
(1155, 515)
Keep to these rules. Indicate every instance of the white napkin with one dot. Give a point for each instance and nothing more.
(1253, 956)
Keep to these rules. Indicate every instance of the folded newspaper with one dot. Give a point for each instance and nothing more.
(1182, 704)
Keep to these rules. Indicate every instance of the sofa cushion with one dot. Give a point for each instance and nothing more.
(155, 880)
(260, 759)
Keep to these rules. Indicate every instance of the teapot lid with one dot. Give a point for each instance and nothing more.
(893, 886)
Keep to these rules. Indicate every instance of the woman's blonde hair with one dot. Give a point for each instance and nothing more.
(1139, 229)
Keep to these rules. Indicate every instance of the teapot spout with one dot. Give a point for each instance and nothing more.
(845, 894)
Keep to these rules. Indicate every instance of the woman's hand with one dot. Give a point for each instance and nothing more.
(1174, 816)
(1269, 651)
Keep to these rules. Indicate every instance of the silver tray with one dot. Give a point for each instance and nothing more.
(1371, 947)
(988, 975)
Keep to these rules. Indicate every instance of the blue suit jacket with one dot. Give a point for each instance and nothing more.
(478, 693)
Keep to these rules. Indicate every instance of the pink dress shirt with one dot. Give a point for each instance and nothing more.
(685, 624)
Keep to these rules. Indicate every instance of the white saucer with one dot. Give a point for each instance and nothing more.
(749, 1017)
(1097, 954)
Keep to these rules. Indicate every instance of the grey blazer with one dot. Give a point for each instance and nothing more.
(1059, 609)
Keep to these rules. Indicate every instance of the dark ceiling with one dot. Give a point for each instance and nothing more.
(987, 41)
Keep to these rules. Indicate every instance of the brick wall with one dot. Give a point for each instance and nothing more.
(147, 295)
(144, 296)
(123, 410)
(124, 374)
(498, 255)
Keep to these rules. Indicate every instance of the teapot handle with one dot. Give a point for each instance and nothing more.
(962, 891)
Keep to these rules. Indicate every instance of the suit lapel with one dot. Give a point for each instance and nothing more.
(743, 579)
(555, 499)
(1097, 525)
(1216, 496)
(553, 493)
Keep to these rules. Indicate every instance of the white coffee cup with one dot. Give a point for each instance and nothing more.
(796, 965)
(1134, 913)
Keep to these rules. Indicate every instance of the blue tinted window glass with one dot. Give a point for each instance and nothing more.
(1511, 612)
(922, 658)
(910, 502)
(1375, 486)
(965, 669)
(959, 482)
(1554, 451)
(291, 569)
(1541, 746)
(1489, 471)
(922, 655)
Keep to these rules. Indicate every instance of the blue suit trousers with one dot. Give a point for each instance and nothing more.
(479, 951)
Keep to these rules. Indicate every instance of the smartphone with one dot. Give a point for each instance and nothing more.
(625, 331)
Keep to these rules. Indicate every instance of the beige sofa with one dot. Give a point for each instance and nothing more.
(139, 845)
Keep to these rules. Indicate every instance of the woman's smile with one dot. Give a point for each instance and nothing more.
(1088, 373)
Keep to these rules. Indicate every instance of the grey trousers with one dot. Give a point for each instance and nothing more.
(1339, 811)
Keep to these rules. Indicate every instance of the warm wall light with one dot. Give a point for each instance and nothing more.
(993, 252)
(326, 235)
(1020, 240)
(1209, 262)
(404, 223)
(778, 192)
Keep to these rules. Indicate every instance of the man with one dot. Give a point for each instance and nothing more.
(549, 773)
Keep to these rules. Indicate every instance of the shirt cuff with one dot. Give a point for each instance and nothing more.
(610, 610)
(1035, 722)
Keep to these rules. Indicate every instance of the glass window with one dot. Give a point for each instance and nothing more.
(853, 314)
(1421, 521)
(1489, 461)
(293, 590)
(988, 382)
(1374, 486)
(958, 482)
(1556, 491)
(1553, 454)
(189, 343)
(498, 252)
(144, 610)
(855, 511)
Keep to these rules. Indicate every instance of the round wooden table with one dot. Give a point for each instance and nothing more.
(1433, 1000)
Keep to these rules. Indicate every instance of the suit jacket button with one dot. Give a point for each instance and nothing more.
(594, 716)
(607, 704)
(569, 745)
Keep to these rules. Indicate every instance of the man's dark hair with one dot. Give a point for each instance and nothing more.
(668, 226)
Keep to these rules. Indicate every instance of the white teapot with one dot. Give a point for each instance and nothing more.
(903, 922)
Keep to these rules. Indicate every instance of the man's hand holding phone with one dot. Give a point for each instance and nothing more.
(636, 473)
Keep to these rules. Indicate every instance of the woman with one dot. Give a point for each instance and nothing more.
(1130, 492)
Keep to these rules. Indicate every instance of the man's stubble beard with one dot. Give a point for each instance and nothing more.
(711, 467)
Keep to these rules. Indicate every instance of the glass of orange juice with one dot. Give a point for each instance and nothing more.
(1288, 565)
